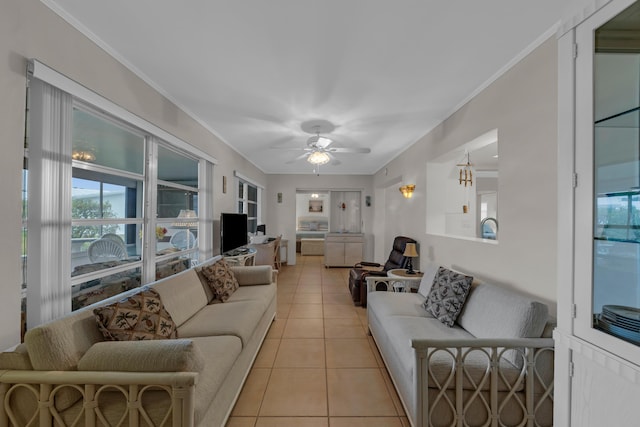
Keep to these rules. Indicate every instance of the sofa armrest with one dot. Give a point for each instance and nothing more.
(366, 264)
(175, 355)
(253, 275)
(84, 378)
(476, 365)
(425, 344)
(44, 387)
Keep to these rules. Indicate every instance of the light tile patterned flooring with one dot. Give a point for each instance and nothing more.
(317, 367)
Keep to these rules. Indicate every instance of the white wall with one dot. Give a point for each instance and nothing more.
(522, 106)
(282, 216)
(302, 205)
(28, 29)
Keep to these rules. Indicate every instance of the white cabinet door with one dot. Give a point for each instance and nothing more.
(333, 254)
(607, 166)
(352, 253)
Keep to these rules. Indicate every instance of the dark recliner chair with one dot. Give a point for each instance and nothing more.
(358, 274)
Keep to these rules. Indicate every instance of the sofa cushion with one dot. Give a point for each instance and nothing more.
(221, 355)
(16, 359)
(447, 295)
(496, 312)
(254, 275)
(179, 355)
(59, 345)
(141, 316)
(220, 279)
(232, 318)
(493, 311)
(384, 304)
(182, 294)
(400, 330)
(262, 294)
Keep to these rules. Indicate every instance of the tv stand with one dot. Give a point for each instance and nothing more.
(240, 256)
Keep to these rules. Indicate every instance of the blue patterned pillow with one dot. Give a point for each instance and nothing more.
(447, 295)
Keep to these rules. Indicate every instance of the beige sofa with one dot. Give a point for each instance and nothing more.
(493, 367)
(65, 372)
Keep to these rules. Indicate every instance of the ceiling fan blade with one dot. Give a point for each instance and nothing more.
(318, 141)
(323, 142)
(297, 158)
(349, 150)
(334, 161)
(291, 148)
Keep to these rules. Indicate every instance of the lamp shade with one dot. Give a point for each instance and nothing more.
(410, 250)
(187, 218)
(318, 158)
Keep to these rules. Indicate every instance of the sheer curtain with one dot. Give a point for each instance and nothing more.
(49, 215)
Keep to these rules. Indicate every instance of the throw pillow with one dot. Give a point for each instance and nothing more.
(447, 295)
(220, 279)
(141, 316)
(429, 274)
(179, 355)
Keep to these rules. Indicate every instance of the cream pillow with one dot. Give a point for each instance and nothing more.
(179, 355)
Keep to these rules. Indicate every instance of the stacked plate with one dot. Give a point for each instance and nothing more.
(621, 321)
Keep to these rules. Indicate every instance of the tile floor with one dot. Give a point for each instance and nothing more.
(317, 366)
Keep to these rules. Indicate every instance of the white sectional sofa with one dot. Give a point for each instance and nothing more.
(66, 372)
(493, 367)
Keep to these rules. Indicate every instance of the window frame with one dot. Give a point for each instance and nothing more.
(243, 201)
(92, 103)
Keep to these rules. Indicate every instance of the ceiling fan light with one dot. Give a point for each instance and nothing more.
(318, 158)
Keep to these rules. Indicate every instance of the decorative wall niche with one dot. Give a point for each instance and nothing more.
(464, 211)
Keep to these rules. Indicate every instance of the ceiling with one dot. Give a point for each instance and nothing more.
(384, 73)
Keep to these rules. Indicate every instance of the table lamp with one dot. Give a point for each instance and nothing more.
(410, 252)
(187, 218)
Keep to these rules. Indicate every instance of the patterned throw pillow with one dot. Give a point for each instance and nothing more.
(447, 295)
(139, 317)
(220, 279)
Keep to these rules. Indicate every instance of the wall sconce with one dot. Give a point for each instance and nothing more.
(407, 190)
(466, 176)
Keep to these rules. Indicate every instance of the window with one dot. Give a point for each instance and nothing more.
(177, 210)
(618, 217)
(107, 213)
(249, 203)
(97, 182)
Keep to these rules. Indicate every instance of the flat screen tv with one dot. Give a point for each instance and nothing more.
(233, 231)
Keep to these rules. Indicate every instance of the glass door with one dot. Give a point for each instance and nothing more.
(607, 214)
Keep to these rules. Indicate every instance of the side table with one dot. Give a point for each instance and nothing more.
(397, 280)
(407, 281)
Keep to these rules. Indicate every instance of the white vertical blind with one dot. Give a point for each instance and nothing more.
(205, 210)
(49, 215)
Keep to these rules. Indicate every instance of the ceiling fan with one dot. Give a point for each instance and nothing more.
(319, 150)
